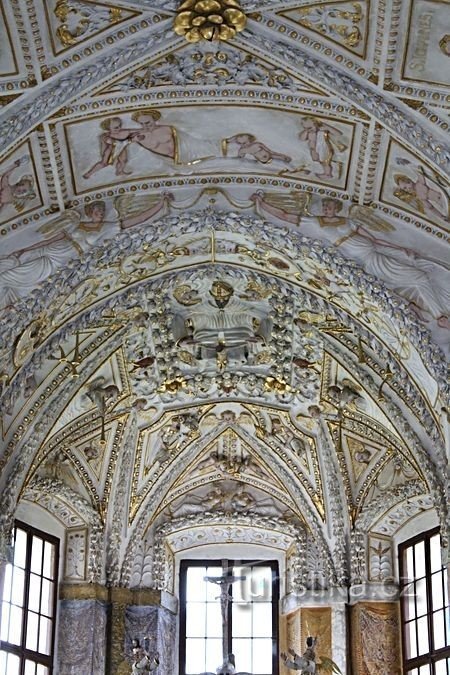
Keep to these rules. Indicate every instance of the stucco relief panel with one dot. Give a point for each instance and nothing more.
(190, 140)
(20, 191)
(427, 50)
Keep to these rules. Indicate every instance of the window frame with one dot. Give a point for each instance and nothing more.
(433, 655)
(205, 562)
(21, 650)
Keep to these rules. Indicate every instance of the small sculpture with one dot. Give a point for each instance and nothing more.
(142, 661)
(307, 663)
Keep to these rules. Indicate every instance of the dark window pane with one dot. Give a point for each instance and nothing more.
(30, 667)
(419, 559)
(49, 560)
(437, 591)
(262, 656)
(15, 625)
(17, 587)
(441, 667)
(213, 620)
(242, 619)
(422, 635)
(411, 640)
(262, 619)
(243, 650)
(435, 553)
(7, 583)
(195, 619)
(32, 631)
(48, 588)
(439, 630)
(45, 635)
(36, 555)
(20, 548)
(195, 584)
(5, 622)
(409, 566)
(213, 653)
(34, 596)
(195, 655)
(421, 597)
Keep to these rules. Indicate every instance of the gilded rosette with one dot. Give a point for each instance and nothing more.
(209, 20)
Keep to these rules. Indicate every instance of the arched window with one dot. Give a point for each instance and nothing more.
(250, 593)
(424, 602)
(29, 604)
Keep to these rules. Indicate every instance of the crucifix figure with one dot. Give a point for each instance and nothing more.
(225, 582)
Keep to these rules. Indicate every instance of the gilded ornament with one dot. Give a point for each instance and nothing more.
(210, 20)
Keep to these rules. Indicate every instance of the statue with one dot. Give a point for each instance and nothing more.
(142, 661)
(307, 663)
(223, 327)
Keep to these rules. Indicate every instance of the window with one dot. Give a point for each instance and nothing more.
(29, 604)
(251, 612)
(425, 611)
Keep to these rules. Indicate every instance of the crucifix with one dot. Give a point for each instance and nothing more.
(225, 582)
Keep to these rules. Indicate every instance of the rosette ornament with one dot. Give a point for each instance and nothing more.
(209, 20)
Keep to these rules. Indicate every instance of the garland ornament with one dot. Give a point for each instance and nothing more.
(209, 20)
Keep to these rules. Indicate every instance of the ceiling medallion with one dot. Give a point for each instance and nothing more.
(209, 20)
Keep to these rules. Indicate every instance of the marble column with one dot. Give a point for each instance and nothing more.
(142, 613)
(376, 638)
(97, 624)
(318, 613)
(82, 629)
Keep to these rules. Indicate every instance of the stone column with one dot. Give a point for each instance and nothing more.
(142, 613)
(82, 629)
(321, 614)
(376, 638)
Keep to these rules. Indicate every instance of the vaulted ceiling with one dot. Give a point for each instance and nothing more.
(224, 275)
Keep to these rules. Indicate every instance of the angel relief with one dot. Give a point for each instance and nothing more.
(70, 235)
(16, 190)
(363, 237)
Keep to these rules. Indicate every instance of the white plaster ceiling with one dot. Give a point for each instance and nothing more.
(304, 164)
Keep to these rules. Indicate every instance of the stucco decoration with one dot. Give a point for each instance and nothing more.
(224, 285)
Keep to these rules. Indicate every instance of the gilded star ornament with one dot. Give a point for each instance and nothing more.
(209, 20)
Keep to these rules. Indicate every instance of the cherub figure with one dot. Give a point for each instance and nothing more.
(17, 193)
(424, 193)
(249, 145)
(322, 140)
(114, 143)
